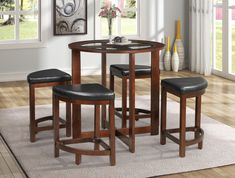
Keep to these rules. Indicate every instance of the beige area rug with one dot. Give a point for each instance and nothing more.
(150, 158)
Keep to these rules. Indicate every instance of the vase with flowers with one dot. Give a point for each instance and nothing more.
(109, 12)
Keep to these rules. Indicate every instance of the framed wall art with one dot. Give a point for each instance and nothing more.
(70, 17)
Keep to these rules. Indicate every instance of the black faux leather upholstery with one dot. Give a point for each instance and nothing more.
(185, 85)
(90, 92)
(121, 70)
(48, 75)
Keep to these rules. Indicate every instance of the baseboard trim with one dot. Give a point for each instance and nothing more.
(19, 76)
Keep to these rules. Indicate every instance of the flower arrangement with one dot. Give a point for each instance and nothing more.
(109, 12)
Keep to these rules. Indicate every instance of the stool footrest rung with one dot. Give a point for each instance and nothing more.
(48, 127)
(44, 128)
(197, 139)
(63, 145)
(43, 119)
(48, 118)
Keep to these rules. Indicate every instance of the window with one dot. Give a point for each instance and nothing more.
(224, 38)
(218, 17)
(126, 24)
(20, 23)
(232, 34)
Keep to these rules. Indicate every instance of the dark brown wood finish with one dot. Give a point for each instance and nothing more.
(76, 79)
(32, 123)
(132, 102)
(182, 144)
(155, 82)
(68, 120)
(198, 118)
(137, 46)
(76, 66)
(67, 144)
(112, 133)
(163, 116)
(34, 127)
(104, 47)
(121, 112)
(104, 83)
(198, 132)
(97, 125)
(124, 101)
(56, 124)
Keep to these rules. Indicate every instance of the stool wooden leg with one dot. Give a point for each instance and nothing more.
(124, 101)
(198, 118)
(182, 126)
(104, 83)
(111, 82)
(56, 124)
(76, 122)
(112, 134)
(97, 125)
(32, 123)
(163, 116)
(78, 159)
(132, 103)
(68, 119)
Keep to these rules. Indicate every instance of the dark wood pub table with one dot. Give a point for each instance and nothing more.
(127, 135)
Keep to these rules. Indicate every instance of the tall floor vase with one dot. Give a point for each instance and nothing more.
(175, 60)
(180, 46)
(167, 57)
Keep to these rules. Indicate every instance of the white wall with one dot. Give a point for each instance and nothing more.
(158, 20)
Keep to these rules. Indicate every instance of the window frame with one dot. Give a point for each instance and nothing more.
(42, 24)
(97, 23)
(226, 71)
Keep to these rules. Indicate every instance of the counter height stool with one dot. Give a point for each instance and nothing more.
(122, 71)
(85, 94)
(183, 88)
(46, 78)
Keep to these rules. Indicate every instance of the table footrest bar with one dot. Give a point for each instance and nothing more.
(172, 138)
(103, 144)
(62, 121)
(196, 140)
(138, 130)
(123, 137)
(124, 131)
(139, 113)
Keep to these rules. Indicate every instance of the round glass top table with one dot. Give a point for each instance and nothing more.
(132, 47)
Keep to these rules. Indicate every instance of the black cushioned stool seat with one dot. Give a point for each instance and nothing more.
(85, 94)
(46, 78)
(48, 75)
(122, 71)
(183, 88)
(185, 85)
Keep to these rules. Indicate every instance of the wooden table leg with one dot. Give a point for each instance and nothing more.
(76, 67)
(132, 103)
(104, 83)
(76, 79)
(155, 79)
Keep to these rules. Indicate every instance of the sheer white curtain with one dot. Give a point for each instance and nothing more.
(200, 27)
